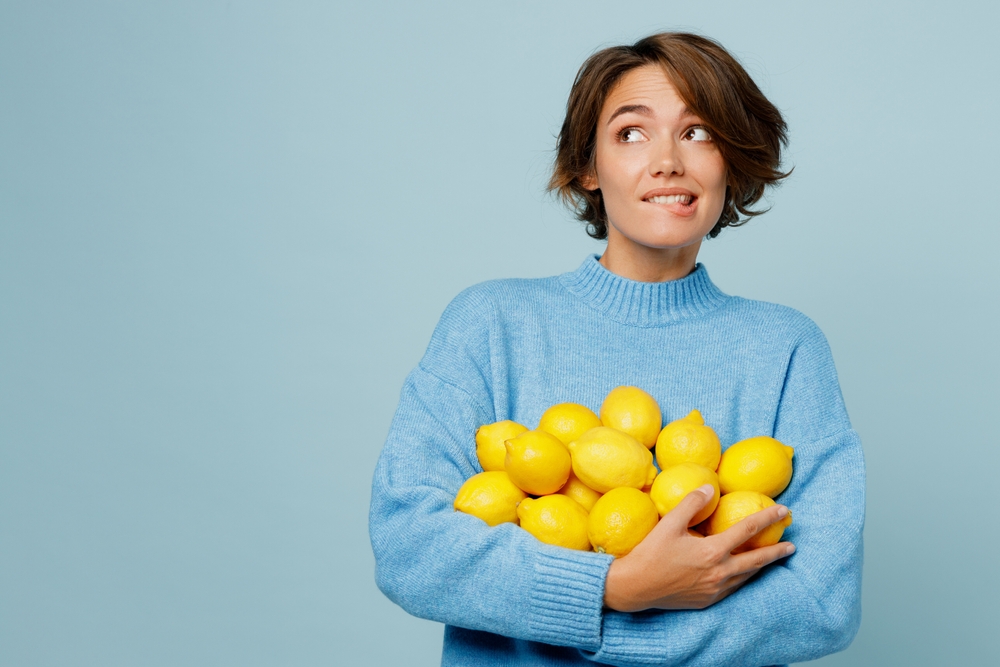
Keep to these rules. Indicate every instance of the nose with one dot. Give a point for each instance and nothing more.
(665, 159)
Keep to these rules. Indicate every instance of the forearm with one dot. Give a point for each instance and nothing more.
(800, 609)
(759, 625)
(451, 567)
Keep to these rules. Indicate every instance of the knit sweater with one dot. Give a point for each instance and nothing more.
(509, 349)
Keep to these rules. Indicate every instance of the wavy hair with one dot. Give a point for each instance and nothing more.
(748, 130)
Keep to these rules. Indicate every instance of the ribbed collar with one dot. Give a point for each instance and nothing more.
(643, 304)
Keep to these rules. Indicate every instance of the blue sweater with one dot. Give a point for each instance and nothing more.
(508, 350)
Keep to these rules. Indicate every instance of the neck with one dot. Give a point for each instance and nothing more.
(648, 265)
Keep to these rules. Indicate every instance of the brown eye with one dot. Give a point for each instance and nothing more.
(630, 135)
(698, 134)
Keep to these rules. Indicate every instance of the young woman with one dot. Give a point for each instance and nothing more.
(665, 142)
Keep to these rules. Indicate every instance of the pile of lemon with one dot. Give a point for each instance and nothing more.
(586, 482)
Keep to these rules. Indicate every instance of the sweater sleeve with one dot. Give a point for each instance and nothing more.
(451, 567)
(801, 608)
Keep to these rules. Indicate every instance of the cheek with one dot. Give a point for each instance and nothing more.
(617, 175)
(714, 178)
(715, 173)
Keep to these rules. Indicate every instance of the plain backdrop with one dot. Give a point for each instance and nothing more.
(227, 230)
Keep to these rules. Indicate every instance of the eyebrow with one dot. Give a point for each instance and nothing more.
(644, 110)
(640, 109)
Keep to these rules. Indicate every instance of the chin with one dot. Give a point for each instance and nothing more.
(667, 241)
(660, 235)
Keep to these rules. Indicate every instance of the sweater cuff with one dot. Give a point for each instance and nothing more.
(567, 597)
(631, 638)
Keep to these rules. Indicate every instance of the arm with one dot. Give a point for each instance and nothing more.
(446, 566)
(801, 608)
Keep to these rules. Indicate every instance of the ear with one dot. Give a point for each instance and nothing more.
(589, 182)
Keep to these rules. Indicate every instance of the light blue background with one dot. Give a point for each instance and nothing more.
(228, 229)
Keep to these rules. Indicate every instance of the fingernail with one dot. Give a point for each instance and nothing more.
(790, 549)
(782, 511)
(708, 490)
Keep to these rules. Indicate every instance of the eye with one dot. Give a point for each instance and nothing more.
(629, 135)
(698, 134)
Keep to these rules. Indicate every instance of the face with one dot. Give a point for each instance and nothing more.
(660, 173)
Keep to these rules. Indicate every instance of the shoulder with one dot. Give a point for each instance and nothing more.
(778, 336)
(775, 321)
(501, 296)
(476, 316)
(483, 305)
(810, 404)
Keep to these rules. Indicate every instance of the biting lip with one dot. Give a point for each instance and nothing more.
(670, 196)
(676, 200)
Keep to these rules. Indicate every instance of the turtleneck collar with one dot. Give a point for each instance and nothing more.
(643, 304)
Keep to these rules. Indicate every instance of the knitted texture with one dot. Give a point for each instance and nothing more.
(508, 350)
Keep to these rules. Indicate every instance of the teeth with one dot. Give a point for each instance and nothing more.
(671, 199)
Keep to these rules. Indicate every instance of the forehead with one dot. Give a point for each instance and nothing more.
(646, 86)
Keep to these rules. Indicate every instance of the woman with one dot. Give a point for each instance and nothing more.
(665, 142)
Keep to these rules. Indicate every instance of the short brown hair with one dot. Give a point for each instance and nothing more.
(746, 127)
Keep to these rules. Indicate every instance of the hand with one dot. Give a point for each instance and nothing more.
(672, 569)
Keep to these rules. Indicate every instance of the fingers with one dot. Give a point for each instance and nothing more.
(693, 503)
(749, 562)
(751, 525)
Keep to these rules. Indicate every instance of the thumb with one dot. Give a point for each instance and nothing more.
(694, 502)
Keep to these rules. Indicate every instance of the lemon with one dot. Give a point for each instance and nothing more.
(734, 507)
(490, 439)
(633, 411)
(760, 464)
(491, 496)
(555, 520)
(579, 492)
(688, 440)
(537, 462)
(605, 458)
(673, 484)
(620, 520)
(568, 421)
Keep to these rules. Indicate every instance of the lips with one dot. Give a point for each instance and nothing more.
(670, 199)
(676, 200)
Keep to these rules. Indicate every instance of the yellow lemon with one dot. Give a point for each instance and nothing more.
(490, 439)
(568, 421)
(620, 520)
(579, 492)
(673, 484)
(760, 464)
(491, 496)
(555, 520)
(688, 440)
(605, 458)
(632, 411)
(537, 462)
(734, 507)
